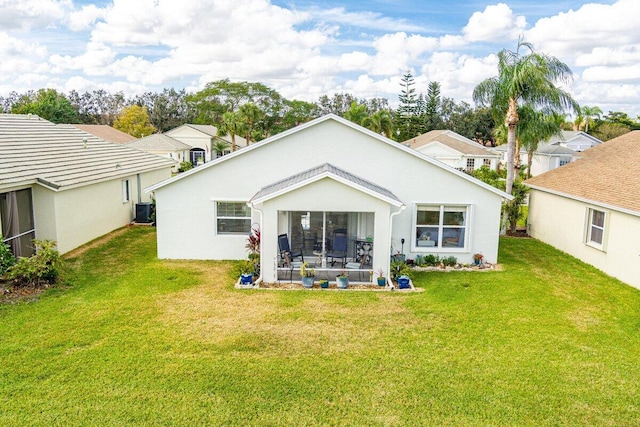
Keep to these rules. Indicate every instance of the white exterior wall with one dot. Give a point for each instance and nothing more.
(194, 138)
(562, 223)
(76, 216)
(185, 208)
(324, 195)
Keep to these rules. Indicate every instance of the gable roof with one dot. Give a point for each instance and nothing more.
(324, 171)
(34, 150)
(554, 150)
(609, 175)
(570, 135)
(107, 133)
(265, 142)
(452, 140)
(211, 131)
(158, 141)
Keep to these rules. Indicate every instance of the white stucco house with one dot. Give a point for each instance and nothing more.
(165, 146)
(324, 179)
(201, 139)
(60, 183)
(547, 157)
(574, 140)
(590, 208)
(455, 150)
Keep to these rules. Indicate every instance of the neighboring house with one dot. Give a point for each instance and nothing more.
(591, 208)
(163, 145)
(455, 150)
(202, 139)
(574, 140)
(545, 158)
(60, 183)
(319, 181)
(107, 133)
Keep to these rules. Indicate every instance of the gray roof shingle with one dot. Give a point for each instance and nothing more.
(61, 156)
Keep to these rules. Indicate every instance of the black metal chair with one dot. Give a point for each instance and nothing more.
(339, 249)
(285, 249)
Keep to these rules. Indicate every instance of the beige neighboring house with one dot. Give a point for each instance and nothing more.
(455, 150)
(590, 208)
(163, 145)
(107, 133)
(201, 139)
(60, 183)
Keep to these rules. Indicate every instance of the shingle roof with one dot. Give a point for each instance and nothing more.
(325, 169)
(107, 133)
(213, 132)
(158, 141)
(450, 139)
(62, 156)
(609, 174)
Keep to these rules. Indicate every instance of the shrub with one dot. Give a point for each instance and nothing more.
(431, 260)
(399, 268)
(6, 257)
(185, 166)
(40, 268)
(449, 261)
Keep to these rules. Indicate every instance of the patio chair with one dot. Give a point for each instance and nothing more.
(339, 249)
(355, 265)
(285, 249)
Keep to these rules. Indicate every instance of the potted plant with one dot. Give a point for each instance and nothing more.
(246, 272)
(382, 280)
(307, 275)
(324, 283)
(342, 280)
(477, 258)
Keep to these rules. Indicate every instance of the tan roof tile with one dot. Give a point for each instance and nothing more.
(609, 173)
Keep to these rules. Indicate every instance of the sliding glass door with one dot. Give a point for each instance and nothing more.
(16, 216)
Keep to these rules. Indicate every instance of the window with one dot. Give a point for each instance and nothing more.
(487, 162)
(233, 218)
(440, 226)
(471, 164)
(16, 218)
(595, 231)
(564, 161)
(126, 190)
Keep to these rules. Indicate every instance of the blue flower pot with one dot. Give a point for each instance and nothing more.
(307, 282)
(403, 282)
(246, 279)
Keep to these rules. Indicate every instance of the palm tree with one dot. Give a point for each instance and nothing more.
(250, 114)
(231, 125)
(523, 78)
(356, 113)
(536, 126)
(379, 122)
(589, 114)
(219, 147)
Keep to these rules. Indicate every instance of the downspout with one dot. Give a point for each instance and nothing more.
(139, 182)
(251, 205)
(402, 208)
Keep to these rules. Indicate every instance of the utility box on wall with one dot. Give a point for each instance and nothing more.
(143, 212)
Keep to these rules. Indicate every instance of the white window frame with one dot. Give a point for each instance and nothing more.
(471, 168)
(438, 247)
(126, 191)
(486, 162)
(590, 226)
(217, 218)
(563, 161)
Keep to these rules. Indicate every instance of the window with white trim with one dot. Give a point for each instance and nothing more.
(595, 227)
(440, 226)
(487, 162)
(471, 164)
(233, 218)
(564, 161)
(126, 191)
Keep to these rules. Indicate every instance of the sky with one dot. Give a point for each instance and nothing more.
(306, 49)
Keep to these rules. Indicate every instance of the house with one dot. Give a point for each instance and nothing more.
(60, 183)
(107, 133)
(590, 208)
(545, 158)
(574, 140)
(163, 145)
(202, 139)
(320, 183)
(455, 150)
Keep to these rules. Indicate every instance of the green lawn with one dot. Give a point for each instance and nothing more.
(136, 341)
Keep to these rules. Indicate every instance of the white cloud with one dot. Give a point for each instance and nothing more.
(495, 23)
(85, 18)
(27, 14)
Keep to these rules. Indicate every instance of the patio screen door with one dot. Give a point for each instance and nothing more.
(16, 215)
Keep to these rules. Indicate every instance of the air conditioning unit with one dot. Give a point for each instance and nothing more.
(143, 212)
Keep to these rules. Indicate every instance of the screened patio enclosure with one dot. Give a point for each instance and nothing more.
(334, 241)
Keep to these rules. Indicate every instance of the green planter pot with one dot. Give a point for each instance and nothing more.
(382, 281)
(343, 282)
(324, 284)
(307, 282)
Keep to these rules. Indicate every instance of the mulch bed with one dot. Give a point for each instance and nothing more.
(12, 294)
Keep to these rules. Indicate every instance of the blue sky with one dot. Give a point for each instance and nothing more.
(305, 49)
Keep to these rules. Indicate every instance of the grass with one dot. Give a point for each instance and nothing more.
(133, 340)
